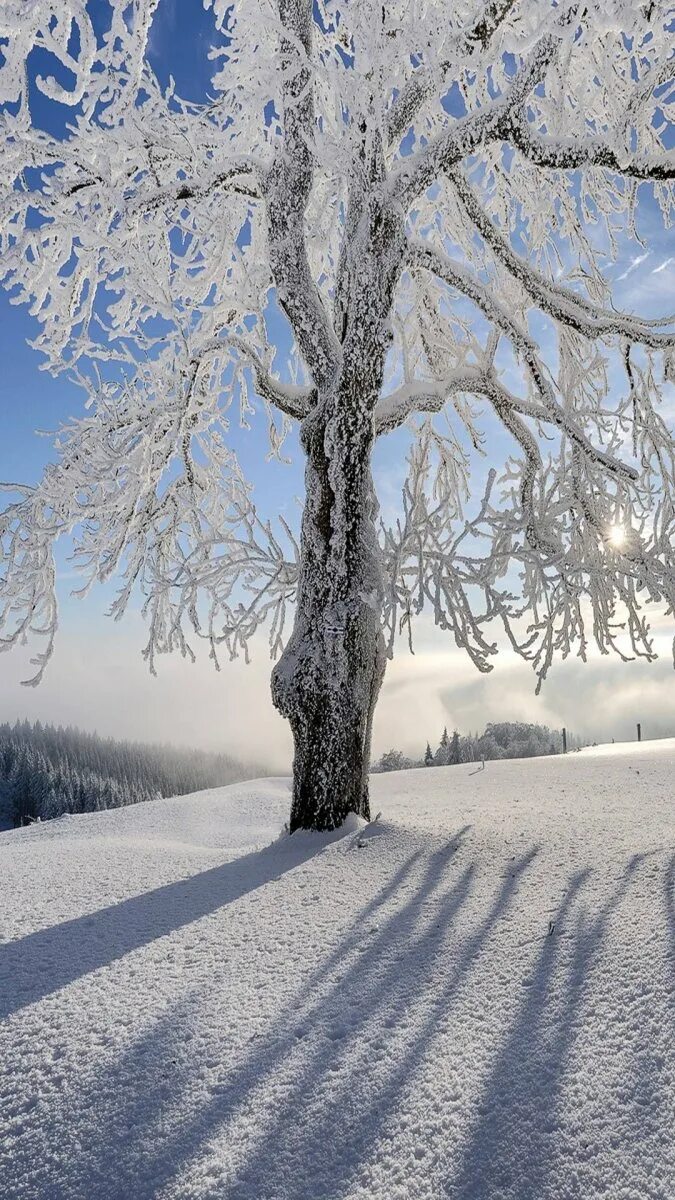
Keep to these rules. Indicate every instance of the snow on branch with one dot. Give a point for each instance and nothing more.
(563, 305)
(425, 84)
(571, 154)
(465, 136)
(150, 493)
(458, 277)
(555, 557)
(288, 187)
(100, 69)
(397, 407)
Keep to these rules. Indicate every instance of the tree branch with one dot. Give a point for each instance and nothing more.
(394, 410)
(290, 399)
(571, 310)
(287, 188)
(466, 135)
(422, 255)
(570, 154)
(425, 83)
(186, 190)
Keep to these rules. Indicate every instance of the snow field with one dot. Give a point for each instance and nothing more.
(472, 998)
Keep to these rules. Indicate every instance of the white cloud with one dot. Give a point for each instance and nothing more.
(599, 699)
(633, 266)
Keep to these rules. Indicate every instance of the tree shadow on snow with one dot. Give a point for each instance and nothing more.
(40, 963)
(512, 1147)
(344, 1098)
(670, 905)
(322, 1047)
(298, 1114)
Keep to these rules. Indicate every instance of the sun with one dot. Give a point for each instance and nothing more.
(617, 536)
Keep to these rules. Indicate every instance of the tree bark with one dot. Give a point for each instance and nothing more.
(328, 678)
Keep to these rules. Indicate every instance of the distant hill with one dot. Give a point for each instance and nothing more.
(46, 771)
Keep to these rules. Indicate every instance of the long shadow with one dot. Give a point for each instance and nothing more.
(670, 919)
(670, 905)
(346, 991)
(360, 1104)
(40, 963)
(513, 1145)
(327, 1104)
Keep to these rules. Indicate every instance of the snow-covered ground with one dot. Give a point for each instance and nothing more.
(472, 998)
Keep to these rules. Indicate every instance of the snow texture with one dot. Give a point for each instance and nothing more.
(471, 997)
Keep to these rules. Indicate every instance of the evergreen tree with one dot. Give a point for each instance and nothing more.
(442, 755)
(428, 757)
(47, 771)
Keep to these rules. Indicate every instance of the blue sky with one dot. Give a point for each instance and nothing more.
(97, 679)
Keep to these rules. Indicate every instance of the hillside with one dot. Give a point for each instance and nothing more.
(472, 998)
(47, 771)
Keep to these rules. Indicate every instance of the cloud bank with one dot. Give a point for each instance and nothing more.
(99, 681)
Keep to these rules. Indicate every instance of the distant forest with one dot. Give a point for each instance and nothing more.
(47, 771)
(503, 739)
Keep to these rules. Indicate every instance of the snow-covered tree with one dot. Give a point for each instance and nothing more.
(428, 756)
(431, 194)
(45, 772)
(442, 755)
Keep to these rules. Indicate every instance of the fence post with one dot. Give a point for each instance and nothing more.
(639, 729)
(564, 740)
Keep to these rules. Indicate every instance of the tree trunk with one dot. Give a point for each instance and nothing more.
(328, 678)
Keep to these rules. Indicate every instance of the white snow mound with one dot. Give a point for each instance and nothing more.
(473, 998)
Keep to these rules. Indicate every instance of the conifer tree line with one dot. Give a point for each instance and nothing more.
(502, 739)
(47, 771)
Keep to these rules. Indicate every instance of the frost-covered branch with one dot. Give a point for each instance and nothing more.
(291, 399)
(240, 178)
(398, 406)
(178, 527)
(458, 277)
(573, 154)
(288, 186)
(465, 136)
(351, 229)
(426, 84)
(563, 305)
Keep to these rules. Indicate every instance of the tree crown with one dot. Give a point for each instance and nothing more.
(458, 176)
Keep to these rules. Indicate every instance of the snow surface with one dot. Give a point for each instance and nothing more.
(194, 1007)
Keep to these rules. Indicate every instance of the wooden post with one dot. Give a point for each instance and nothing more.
(564, 740)
(639, 729)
